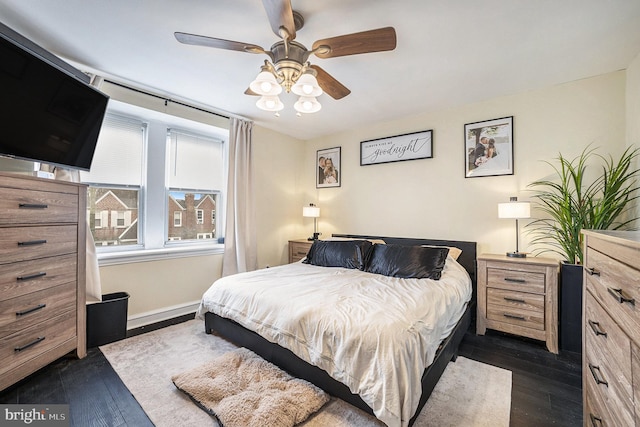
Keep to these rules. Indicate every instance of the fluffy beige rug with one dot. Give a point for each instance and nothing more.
(469, 394)
(241, 389)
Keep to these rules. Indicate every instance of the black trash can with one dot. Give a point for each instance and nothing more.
(107, 320)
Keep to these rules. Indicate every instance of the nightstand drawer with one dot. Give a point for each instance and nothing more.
(515, 300)
(516, 280)
(518, 317)
(298, 249)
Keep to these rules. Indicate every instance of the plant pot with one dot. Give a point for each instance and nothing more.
(570, 306)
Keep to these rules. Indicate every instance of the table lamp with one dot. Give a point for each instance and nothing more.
(312, 211)
(515, 210)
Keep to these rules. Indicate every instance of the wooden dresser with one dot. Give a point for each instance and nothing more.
(298, 249)
(611, 330)
(519, 296)
(42, 273)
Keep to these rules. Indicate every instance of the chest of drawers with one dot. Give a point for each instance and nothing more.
(519, 296)
(611, 329)
(42, 273)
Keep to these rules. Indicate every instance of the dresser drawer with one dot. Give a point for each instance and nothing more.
(596, 412)
(516, 316)
(37, 207)
(606, 344)
(29, 343)
(25, 277)
(515, 300)
(617, 287)
(24, 311)
(605, 378)
(516, 280)
(25, 243)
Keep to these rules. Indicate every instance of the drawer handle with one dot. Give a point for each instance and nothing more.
(32, 242)
(596, 376)
(621, 297)
(31, 310)
(595, 420)
(595, 326)
(513, 316)
(592, 271)
(510, 279)
(521, 301)
(30, 276)
(32, 206)
(26, 346)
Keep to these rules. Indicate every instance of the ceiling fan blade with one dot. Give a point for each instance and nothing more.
(330, 85)
(379, 40)
(250, 92)
(280, 15)
(194, 39)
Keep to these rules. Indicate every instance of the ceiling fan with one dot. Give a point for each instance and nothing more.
(289, 67)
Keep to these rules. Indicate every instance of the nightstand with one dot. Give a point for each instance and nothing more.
(298, 249)
(519, 296)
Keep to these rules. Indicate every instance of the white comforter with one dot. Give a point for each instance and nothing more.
(376, 334)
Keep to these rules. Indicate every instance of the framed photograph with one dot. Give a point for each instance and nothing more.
(489, 147)
(329, 173)
(410, 146)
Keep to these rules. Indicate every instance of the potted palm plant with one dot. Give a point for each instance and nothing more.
(576, 198)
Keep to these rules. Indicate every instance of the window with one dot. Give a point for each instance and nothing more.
(115, 182)
(148, 180)
(195, 182)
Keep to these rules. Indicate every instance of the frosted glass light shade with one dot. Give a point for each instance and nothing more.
(265, 84)
(270, 103)
(311, 211)
(307, 85)
(307, 104)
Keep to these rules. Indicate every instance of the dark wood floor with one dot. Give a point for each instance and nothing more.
(546, 388)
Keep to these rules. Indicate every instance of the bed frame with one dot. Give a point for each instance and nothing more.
(284, 358)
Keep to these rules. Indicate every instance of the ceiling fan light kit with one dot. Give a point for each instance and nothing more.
(289, 67)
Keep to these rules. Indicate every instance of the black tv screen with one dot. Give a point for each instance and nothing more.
(48, 114)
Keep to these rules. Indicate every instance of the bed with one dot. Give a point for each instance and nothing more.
(342, 365)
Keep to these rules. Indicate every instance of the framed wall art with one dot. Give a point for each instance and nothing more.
(410, 146)
(329, 168)
(489, 147)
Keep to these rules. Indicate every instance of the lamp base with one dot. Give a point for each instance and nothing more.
(516, 254)
(315, 237)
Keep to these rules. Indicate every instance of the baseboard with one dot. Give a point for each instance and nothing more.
(156, 316)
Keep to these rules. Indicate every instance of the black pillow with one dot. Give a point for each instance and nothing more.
(407, 262)
(342, 253)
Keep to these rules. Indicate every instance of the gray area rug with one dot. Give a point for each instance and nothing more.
(468, 394)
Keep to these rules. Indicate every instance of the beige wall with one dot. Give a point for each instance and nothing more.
(432, 198)
(633, 102)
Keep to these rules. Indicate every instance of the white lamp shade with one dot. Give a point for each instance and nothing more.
(307, 104)
(311, 211)
(307, 85)
(514, 210)
(265, 84)
(270, 103)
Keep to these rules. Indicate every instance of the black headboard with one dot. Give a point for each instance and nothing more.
(467, 258)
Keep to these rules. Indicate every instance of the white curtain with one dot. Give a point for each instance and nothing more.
(240, 252)
(94, 287)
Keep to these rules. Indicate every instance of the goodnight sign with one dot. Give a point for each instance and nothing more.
(410, 146)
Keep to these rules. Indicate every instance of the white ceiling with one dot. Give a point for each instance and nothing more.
(449, 52)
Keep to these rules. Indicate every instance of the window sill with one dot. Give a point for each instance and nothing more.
(144, 255)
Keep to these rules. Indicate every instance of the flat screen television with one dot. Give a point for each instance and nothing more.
(48, 111)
